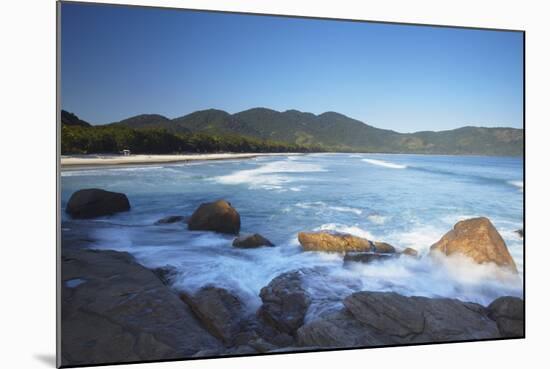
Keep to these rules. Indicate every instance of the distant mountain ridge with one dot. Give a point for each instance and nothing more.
(336, 132)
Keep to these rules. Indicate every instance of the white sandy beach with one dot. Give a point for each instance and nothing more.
(68, 162)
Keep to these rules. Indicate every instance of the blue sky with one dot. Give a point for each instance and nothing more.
(117, 62)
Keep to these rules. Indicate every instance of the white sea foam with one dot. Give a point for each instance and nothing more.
(377, 219)
(456, 277)
(419, 238)
(518, 184)
(324, 206)
(385, 164)
(270, 176)
(108, 171)
(353, 230)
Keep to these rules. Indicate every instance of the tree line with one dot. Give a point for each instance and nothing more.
(112, 139)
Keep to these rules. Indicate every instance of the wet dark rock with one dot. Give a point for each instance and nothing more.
(218, 216)
(167, 274)
(171, 219)
(339, 329)
(420, 318)
(261, 345)
(93, 202)
(285, 302)
(123, 313)
(367, 257)
(383, 318)
(509, 314)
(218, 309)
(520, 232)
(251, 241)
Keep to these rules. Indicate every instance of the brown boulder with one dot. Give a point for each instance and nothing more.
(285, 302)
(218, 216)
(383, 247)
(251, 241)
(219, 311)
(477, 239)
(333, 242)
(93, 202)
(509, 314)
(410, 252)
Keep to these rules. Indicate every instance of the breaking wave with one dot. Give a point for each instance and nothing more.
(385, 164)
(270, 176)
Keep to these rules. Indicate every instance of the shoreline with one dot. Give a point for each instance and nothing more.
(69, 162)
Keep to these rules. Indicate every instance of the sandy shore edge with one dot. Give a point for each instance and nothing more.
(89, 161)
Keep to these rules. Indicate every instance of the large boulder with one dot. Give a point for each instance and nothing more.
(219, 310)
(251, 241)
(383, 247)
(477, 239)
(339, 329)
(115, 310)
(421, 319)
(386, 318)
(218, 216)
(509, 314)
(93, 202)
(285, 302)
(333, 242)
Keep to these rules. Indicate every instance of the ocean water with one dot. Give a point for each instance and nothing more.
(405, 200)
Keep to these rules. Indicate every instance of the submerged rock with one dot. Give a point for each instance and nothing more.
(218, 216)
(384, 318)
(93, 202)
(285, 302)
(167, 274)
(219, 310)
(171, 219)
(123, 313)
(251, 241)
(509, 314)
(367, 257)
(477, 239)
(410, 252)
(333, 242)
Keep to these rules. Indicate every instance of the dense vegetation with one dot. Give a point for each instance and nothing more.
(109, 139)
(263, 130)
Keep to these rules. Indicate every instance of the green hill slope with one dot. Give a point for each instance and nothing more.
(335, 132)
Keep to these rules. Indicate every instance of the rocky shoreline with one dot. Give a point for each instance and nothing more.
(116, 310)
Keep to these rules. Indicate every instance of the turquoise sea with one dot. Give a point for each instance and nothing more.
(405, 200)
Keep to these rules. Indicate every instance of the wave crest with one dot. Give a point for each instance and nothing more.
(385, 164)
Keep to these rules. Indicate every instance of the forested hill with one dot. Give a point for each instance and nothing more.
(332, 131)
(337, 132)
